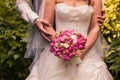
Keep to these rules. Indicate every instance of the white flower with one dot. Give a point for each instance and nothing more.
(65, 37)
(75, 41)
(64, 45)
(56, 44)
(73, 37)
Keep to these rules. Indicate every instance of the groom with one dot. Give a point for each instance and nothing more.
(33, 17)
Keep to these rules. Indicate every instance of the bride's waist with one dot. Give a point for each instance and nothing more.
(83, 31)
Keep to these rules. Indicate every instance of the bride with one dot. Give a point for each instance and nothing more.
(78, 15)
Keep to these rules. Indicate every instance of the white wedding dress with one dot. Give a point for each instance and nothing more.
(49, 67)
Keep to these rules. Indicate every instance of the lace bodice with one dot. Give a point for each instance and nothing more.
(78, 19)
(75, 18)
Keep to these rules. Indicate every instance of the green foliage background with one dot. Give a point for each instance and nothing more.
(13, 33)
(111, 31)
(13, 29)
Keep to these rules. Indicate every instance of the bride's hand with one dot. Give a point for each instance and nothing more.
(51, 31)
(81, 55)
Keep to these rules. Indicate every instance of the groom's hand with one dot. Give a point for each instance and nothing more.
(52, 33)
(101, 18)
(40, 23)
(46, 29)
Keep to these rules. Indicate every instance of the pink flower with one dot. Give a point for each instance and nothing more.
(62, 39)
(51, 50)
(52, 44)
(61, 49)
(67, 58)
(70, 55)
(67, 44)
(81, 46)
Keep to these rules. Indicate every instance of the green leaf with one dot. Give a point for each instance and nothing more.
(16, 56)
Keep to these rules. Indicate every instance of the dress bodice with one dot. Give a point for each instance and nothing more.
(75, 18)
(78, 19)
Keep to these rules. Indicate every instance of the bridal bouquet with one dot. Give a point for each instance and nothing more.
(67, 45)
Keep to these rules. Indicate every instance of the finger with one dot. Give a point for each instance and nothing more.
(44, 22)
(46, 33)
(40, 26)
(101, 17)
(102, 12)
(104, 17)
(46, 37)
(100, 24)
(53, 37)
(100, 20)
(81, 57)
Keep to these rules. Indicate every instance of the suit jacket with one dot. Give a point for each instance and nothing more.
(27, 12)
(36, 43)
